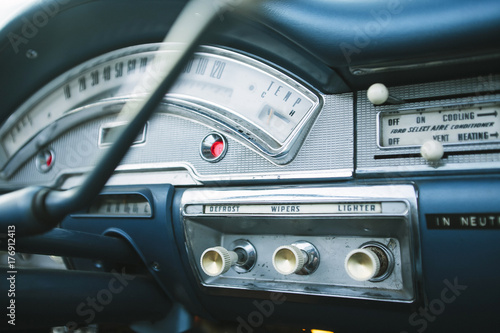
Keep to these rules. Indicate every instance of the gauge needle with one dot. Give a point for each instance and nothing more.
(270, 113)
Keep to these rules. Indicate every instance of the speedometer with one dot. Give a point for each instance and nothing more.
(255, 103)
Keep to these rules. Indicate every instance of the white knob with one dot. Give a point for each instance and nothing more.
(289, 259)
(432, 150)
(217, 260)
(378, 93)
(362, 264)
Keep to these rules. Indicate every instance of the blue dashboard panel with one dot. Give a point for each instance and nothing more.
(346, 33)
(459, 269)
(441, 220)
(396, 42)
(152, 238)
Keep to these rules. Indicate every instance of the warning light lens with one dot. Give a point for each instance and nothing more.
(44, 160)
(217, 148)
(213, 147)
(49, 161)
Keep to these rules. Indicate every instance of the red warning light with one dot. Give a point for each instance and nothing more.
(45, 160)
(49, 160)
(217, 148)
(213, 147)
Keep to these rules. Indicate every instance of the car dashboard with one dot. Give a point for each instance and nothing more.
(316, 165)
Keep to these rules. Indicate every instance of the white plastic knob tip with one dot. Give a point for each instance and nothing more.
(217, 260)
(288, 259)
(432, 150)
(362, 264)
(378, 93)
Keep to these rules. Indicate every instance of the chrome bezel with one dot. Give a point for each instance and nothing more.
(390, 259)
(206, 147)
(43, 167)
(313, 259)
(397, 220)
(140, 139)
(251, 253)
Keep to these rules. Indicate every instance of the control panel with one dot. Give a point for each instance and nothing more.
(427, 128)
(355, 242)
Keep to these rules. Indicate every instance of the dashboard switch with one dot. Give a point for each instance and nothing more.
(300, 258)
(362, 264)
(289, 259)
(432, 150)
(373, 261)
(217, 260)
(378, 94)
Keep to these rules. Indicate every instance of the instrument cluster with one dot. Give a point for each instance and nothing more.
(231, 117)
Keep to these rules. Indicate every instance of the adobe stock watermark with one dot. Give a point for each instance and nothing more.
(487, 86)
(263, 309)
(421, 318)
(31, 26)
(373, 28)
(103, 297)
(81, 155)
(223, 6)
